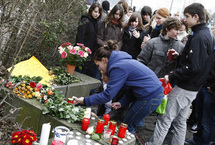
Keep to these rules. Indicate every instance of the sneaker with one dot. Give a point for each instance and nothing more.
(194, 128)
(190, 142)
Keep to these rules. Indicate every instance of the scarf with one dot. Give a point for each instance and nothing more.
(130, 30)
(115, 21)
(158, 27)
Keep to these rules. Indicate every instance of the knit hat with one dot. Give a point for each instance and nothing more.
(164, 12)
(106, 5)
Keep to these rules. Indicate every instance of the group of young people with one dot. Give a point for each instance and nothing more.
(134, 59)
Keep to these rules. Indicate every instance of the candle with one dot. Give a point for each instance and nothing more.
(85, 124)
(70, 100)
(57, 142)
(114, 141)
(122, 130)
(106, 118)
(112, 126)
(171, 51)
(44, 137)
(100, 126)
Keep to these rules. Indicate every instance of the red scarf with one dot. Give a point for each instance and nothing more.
(115, 21)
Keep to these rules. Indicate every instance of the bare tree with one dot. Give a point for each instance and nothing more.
(37, 28)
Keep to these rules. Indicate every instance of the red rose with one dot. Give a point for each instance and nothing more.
(32, 84)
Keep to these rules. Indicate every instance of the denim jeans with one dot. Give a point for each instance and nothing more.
(205, 114)
(139, 110)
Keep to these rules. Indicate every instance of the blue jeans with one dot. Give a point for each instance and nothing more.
(205, 115)
(139, 110)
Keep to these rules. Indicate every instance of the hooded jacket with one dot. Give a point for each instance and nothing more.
(86, 33)
(127, 74)
(195, 61)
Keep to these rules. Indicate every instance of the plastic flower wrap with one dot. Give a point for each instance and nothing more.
(24, 137)
(74, 55)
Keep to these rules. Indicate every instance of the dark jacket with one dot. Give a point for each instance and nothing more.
(195, 61)
(86, 33)
(211, 79)
(154, 55)
(106, 33)
(156, 31)
(127, 74)
(132, 45)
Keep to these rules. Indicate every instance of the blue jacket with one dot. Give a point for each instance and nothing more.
(127, 74)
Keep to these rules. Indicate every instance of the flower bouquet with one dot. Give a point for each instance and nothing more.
(74, 55)
(24, 137)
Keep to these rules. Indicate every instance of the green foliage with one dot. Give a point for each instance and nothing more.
(27, 79)
(63, 110)
(62, 77)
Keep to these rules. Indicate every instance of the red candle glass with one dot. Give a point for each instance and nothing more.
(106, 118)
(100, 126)
(114, 141)
(122, 130)
(70, 100)
(170, 57)
(85, 123)
(112, 126)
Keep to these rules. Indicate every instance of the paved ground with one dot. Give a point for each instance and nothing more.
(147, 131)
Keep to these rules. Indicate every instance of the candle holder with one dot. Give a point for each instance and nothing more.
(122, 130)
(106, 118)
(100, 126)
(70, 100)
(112, 126)
(85, 124)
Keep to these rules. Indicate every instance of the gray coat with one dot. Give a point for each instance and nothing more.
(154, 55)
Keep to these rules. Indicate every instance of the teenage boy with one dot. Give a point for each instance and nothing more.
(146, 13)
(154, 53)
(188, 77)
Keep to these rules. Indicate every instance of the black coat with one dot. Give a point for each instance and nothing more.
(132, 45)
(195, 61)
(86, 33)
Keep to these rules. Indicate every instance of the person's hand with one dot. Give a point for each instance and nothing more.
(116, 105)
(209, 90)
(78, 100)
(143, 44)
(166, 78)
(175, 54)
(146, 38)
(136, 34)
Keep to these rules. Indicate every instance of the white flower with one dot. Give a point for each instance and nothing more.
(50, 100)
(86, 48)
(37, 94)
(90, 130)
(45, 97)
(85, 54)
(70, 47)
(51, 107)
(77, 48)
(61, 49)
(75, 109)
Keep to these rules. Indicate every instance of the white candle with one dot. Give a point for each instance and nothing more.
(44, 137)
